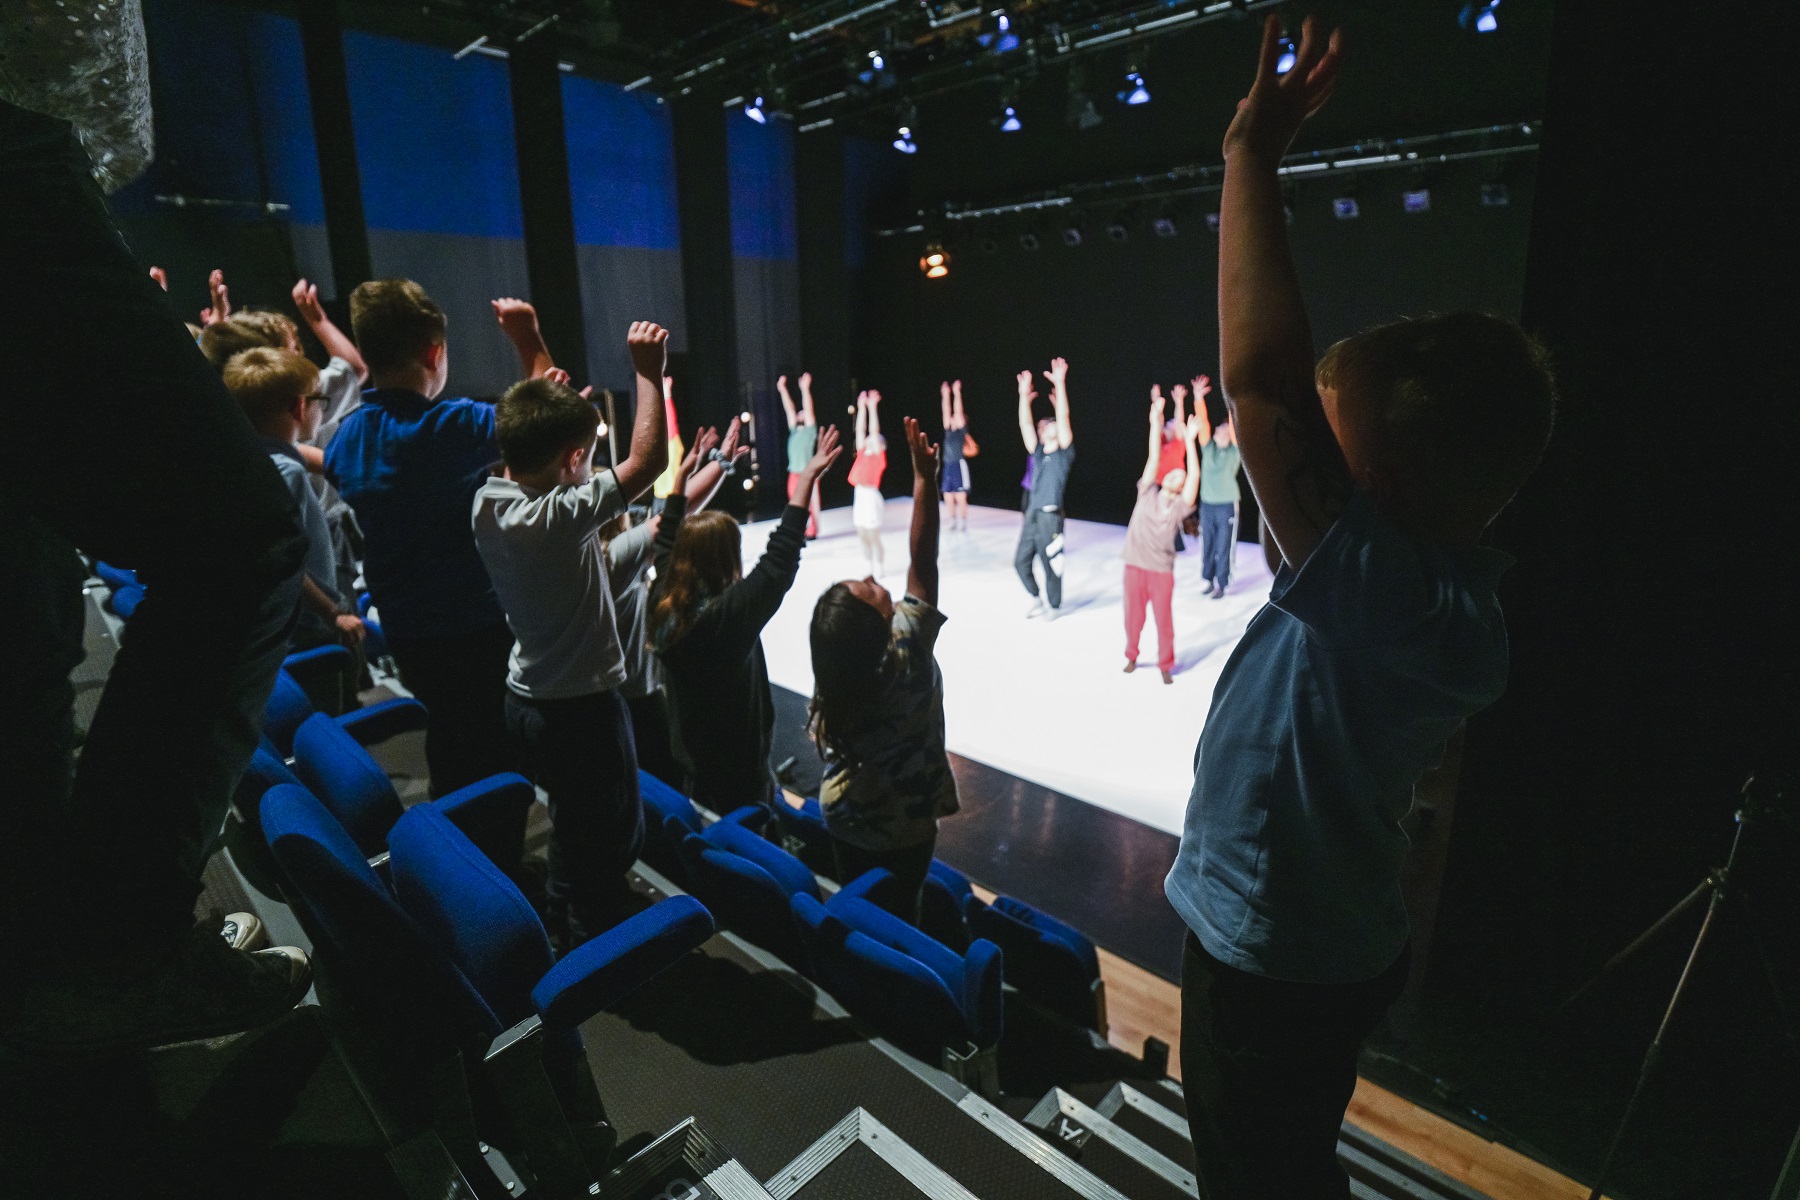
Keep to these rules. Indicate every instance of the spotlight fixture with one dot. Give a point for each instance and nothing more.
(1029, 240)
(1416, 199)
(1479, 16)
(1071, 235)
(1134, 91)
(1494, 194)
(1285, 63)
(754, 110)
(1345, 208)
(1117, 229)
(1163, 226)
(1001, 37)
(936, 261)
(749, 483)
(876, 63)
(1212, 221)
(744, 416)
(1009, 120)
(903, 140)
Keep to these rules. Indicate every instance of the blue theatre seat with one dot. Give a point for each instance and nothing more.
(371, 725)
(941, 903)
(909, 987)
(749, 883)
(1053, 964)
(669, 817)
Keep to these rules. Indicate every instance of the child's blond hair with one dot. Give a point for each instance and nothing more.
(266, 381)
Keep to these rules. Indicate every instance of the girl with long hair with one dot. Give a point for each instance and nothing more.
(706, 623)
(878, 709)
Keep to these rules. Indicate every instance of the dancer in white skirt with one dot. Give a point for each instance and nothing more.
(867, 510)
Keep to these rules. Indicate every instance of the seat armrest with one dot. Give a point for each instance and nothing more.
(982, 1001)
(603, 971)
(318, 654)
(379, 722)
(876, 886)
(491, 814)
(754, 817)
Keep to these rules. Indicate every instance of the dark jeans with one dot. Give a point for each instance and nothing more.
(461, 681)
(120, 439)
(650, 730)
(910, 865)
(1218, 537)
(580, 751)
(1041, 538)
(1268, 1067)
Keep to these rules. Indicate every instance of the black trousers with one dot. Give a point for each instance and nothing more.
(910, 865)
(461, 681)
(1218, 537)
(122, 441)
(1268, 1067)
(1041, 538)
(580, 751)
(650, 729)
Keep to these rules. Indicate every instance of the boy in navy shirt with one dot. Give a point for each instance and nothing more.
(1377, 474)
(410, 464)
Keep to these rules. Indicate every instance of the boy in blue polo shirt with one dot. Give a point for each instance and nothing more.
(1377, 474)
(409, 464)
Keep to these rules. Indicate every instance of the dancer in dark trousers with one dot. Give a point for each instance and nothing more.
(1378, 471)
(1050, 444)
(958, 448)
(1219, 462)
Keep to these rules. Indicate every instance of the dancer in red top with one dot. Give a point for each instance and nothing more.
(867, 511)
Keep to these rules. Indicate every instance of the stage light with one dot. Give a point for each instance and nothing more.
(744, 416)
(1134, 91)
(1163, 226)
(876, 62)
(1345, 208)
(1029, 240)
(754, 110)
(1416, 200)
(1479, 17)
(1117, 230)
(936, 261)
(1212, 221)
(749, 483)
(1285, 63)
(1001, 38)
(1009, 120)
(1071, 235)
(1495, 195)
(903, 141)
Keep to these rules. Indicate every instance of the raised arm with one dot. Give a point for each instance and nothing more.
(518, 321)
(787, 401)
(1265, 343)
(959, 419)
(1203, 389)
(1027, 425)
(807, 416)
(336, 343)
(706, 478)
(648, 344)
(1179, 394)
(747, 605)
(218, 296)
(1058, 375)
(1156, 433)
(944, 405)
(1190, 493)
(874, 413)
(922, 573)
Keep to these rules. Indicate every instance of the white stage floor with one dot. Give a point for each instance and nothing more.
(1048, 702)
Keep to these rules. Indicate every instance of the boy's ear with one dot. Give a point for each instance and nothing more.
(296, 407)
(431, 356)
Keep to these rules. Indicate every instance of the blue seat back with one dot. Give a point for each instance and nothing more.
(789, 872)
(116, 577)
(1050, 962)
(350, 784)
(470, 908)
(745, 898)
(397, 979)
(941, 906)
(288, 707)
(900, 996)
(663, 802)
(973, 978)
(125, 600)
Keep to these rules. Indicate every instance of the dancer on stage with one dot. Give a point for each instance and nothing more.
(868, 509)
(1378, 469)
(1050, 444)
(1172, 451)
(1219, 495)
(803, 438)
(1162, 505)
(958, 448)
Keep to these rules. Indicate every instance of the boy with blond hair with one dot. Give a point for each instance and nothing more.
(1377, 476)
(279, 393)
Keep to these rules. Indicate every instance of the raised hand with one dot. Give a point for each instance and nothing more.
(825, 454)
(691, 461)
(1025, 382)
(306, 302)
(648, 343)
(557, 375)
(1202, 388)
(924, 454)
(944, 391)
(956, 389)
(1193, 428)
(874, 398)
(220, 295)
(517, 317)
(806, 380)
(1180, 392)
(1058, 373)
(729, 450)
(161, 276)
(1156, 403)
(1269, 117)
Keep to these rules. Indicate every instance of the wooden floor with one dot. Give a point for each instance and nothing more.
(1140, 1005)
